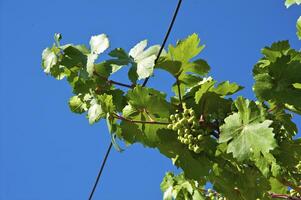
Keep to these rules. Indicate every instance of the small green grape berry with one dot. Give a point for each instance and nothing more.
(197, 149)
(200, 137)
(174, 128)
(211, 195)
(191, 112)
(181, 132)
(177, 116)
(190, 120)
(172, 117)
(190, 137)
(186, 141)
(190, 147)
(169, 126)
(187, 131)
(186, 112)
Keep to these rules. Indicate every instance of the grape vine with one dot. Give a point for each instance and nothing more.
(243, 149)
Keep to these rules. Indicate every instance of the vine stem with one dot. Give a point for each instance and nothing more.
(137, 121)
(100, 170)
(114, 82)
(179, 93)
(166, 36)
(283, 196)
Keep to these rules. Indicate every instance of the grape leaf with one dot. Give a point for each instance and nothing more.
(98, 44)
(145, 59)
(185, 49)
(49, 58)
(180, 188)
(77, 104)
(277, 84)
(101, 105)
(246, 132)
(148, 100)
(289, 3)
(95, 112)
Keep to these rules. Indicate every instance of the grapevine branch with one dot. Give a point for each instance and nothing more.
(179, 93)
(131, 86)
(166, 36)
(291, 185)
(137, 121)
(114, 82)
(283, 196)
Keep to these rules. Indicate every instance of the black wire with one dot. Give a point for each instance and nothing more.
(166, 36)
(100, 171)
(144, 83)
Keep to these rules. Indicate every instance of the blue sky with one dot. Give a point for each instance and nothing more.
(49, 153)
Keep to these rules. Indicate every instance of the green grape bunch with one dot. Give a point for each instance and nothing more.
(212, 195)
(188, 129)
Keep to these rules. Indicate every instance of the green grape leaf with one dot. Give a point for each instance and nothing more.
(299, 28)
(199, 67)
(184, 158)
(78, 104)
(185, 49)
(146, 134)
(289, 3)
(289, 153)
(101, 105)
(277, 84)
(119, 101)
(148, 100)
(277, 187)
(266, 163)
(208, 85)
(122, 59)
(98, 44)
(246, 132)
(227, 88)
(95, 112)
(49, 58)
(132, 74)
(129, 111)
(178, 59)
(74, 56)
(144, 59)
(205, 86)
(180, 188)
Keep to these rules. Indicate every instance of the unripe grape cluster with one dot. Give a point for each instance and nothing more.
(188, 129)
(212, 195)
